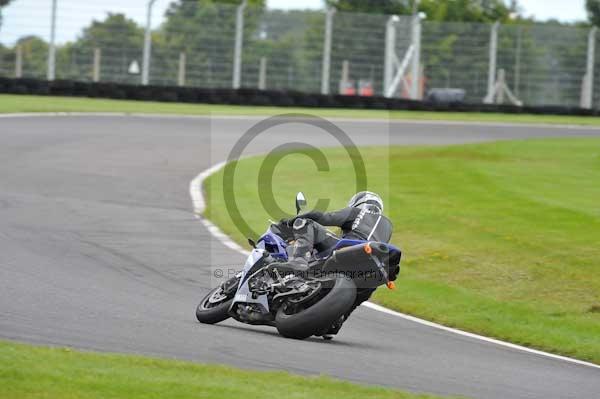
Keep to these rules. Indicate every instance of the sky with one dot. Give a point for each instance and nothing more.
(27, 17)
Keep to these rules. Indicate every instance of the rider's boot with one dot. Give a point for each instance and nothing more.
(301, 251)
(336, 326)
(298, 266)
(334, 329)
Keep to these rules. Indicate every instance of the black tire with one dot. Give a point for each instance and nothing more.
(211, 313)
(320, 316)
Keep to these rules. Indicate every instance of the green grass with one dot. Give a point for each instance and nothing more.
(36, 372)
(25, 103)
(501, 239)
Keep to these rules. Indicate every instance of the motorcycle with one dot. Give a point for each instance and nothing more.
(300, 306)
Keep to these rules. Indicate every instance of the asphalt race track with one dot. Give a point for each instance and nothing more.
(99, 250)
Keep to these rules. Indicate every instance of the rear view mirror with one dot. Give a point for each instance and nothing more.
(300, 202)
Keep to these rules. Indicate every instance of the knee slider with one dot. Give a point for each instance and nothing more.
(299, 224)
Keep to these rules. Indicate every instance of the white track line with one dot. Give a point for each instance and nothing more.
(379, 308)
(196, 191)
(200, 205)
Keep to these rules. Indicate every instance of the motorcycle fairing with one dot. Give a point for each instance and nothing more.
(243, 294)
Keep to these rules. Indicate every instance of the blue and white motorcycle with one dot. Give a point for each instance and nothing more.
(300, 306)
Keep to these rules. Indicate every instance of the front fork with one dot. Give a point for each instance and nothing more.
(230, 286)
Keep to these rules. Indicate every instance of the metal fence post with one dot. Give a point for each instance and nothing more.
(18, 62)
(343, 85)
(492, 67)
(96, 65)
(262, 74)
(209, 71)
(390, 51)
(517, 82)
(239, 43)
(51, 71)
(587, 96)
(181, 72)
(500, 84)
(416, 59)
(147, 44)
(326, 69)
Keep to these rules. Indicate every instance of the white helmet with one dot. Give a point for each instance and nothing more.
(366, 200)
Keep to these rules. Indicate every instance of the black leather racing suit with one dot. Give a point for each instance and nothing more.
(360, 224)
(309, 233)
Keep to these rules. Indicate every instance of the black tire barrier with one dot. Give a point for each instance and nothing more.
(278, 98)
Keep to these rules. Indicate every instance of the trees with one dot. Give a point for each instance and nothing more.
(120, 40)
(3, 3)
(205, 31)
(281, 37)
(436, 10)
(399, 7)
(593, 9)
(465, 10)
(35, 52)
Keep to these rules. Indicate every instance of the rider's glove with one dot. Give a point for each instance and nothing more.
(285, 227)
(287, 222)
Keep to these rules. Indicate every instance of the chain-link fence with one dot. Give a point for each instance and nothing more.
(545, 65)
(201, 44)
(456, 55)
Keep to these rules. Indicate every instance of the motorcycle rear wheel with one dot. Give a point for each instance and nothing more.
(320, 316)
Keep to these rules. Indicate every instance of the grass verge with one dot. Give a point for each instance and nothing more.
(35, 372)
(499, 239)
(26, 103)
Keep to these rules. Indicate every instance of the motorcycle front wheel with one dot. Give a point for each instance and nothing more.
(321, 315)
(214, 307)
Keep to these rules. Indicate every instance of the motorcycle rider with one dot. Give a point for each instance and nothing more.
(362, 219)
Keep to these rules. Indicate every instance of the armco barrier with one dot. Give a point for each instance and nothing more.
(259, 98)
